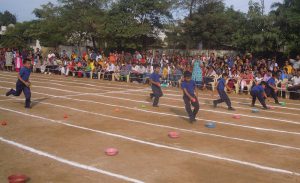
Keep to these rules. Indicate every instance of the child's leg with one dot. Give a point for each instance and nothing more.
(188, 109)
(253, 98)
(18, 91)
(274, 95)
(225, 98)
(196, 107)
(27, 93)
(218, 101)
(262, 101)
(157, 93)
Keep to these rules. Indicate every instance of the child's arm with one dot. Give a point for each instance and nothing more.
(155, 83)
(187, 93)
(273, 87)
(25, 83)
(265, 96)
(197, 92)
(228, 88)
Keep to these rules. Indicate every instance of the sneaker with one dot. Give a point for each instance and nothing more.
(215, 104)
(231, 109)
(193, 120)
(9, 92)
(277, 103)
(265, 108)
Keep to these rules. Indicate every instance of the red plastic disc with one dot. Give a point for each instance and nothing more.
(236, 116)
(111, 151)
(17, 178)
(173, 134)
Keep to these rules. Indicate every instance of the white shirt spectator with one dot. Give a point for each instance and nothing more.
(141, 69)
(111, 68)
(258, 80)
(135, 68)
(99, 57)
(296, 64)
(296, 80)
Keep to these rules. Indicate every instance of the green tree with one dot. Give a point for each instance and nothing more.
(287, 18)
(17, 37)
(7, 18)
(137, 23)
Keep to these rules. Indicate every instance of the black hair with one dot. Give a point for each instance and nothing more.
(224, 75)
(155, 66)
(263, 83)
(187, 74)
(26, 60)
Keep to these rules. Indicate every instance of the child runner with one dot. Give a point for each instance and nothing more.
(271, 89)
(23, 83)
(258, 91)
(155, 85)
(223, 96)
(190, 99)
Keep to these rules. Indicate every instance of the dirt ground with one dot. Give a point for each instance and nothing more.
(260, 147)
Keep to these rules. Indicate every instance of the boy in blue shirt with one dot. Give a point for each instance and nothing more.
(258, 91)
(155, 85)
(23, 83)
(190, 99)
(271, 89)
(221, 90)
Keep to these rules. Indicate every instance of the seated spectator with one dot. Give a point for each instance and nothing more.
(294, 88)
(296, 63)
(283, 74)
(125, 71)
(288, 67)
(246, 79)
(109, 71)
(258, 79)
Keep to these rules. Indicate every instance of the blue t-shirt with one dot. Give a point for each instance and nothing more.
(271, 81)
(189, 86)
(258, 89)
(25, 73)
(155, 77)
(221, 84)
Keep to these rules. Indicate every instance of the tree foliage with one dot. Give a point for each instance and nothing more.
(138, 24)
(7, 18)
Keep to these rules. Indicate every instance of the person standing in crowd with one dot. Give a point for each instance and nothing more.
(18, 61)
(2, 59)
(9, 59)
(197, 71)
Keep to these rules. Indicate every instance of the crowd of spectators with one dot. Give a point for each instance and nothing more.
(244, 71)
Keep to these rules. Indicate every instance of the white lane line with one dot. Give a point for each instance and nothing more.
(112, 84)
(207, 110)
(243, 108)
(174, 128)
(174, 115)
(68, 162)
(245, 163)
